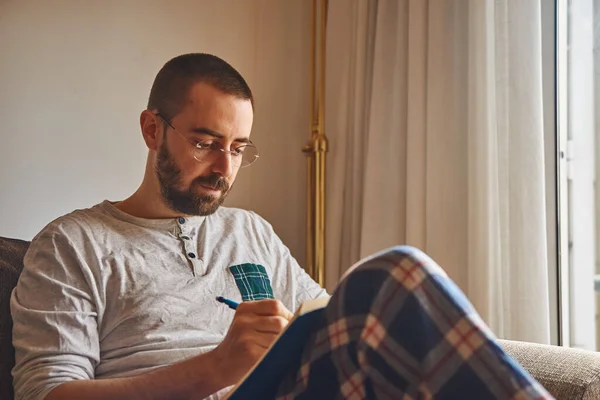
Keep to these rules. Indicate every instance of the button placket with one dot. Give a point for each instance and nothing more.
(189, 244)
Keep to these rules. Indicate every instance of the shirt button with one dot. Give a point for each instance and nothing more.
(182, 220)
(185, 237)
(191, 255)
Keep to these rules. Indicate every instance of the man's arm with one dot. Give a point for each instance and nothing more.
(254, 327)
(195, 378)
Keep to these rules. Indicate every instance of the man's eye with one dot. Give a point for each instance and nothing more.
(204, 145)
(238, 150)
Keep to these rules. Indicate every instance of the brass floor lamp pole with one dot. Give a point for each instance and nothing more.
(316, 148)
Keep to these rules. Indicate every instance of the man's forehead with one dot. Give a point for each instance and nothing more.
(208, 108)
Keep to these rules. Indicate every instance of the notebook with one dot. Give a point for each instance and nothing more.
(262, 381)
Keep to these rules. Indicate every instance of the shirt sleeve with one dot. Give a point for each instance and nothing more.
(290, 282)
(55, 319)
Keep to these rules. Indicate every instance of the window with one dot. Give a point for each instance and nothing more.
(578, 98)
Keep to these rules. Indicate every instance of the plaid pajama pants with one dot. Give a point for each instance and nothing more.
(398, 328)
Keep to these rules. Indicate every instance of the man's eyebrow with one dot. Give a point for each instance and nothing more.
(210, 132)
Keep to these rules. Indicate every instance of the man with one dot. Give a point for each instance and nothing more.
(118, 301)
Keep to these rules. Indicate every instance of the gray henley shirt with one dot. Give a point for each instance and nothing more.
(104, 294)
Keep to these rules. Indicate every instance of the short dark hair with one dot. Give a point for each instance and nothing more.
(175, 79)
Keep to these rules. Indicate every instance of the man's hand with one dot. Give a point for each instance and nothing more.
(255, 326)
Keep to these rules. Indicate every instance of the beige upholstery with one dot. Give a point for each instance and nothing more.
(568, 374)
(11, 264)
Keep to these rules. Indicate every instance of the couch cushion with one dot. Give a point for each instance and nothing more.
(565, 372)
(12, 252)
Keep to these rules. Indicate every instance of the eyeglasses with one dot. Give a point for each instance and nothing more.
(208, 150)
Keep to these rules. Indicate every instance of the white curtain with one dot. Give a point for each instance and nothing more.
(434, 116)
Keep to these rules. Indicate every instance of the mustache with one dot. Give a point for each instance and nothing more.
(214, 181)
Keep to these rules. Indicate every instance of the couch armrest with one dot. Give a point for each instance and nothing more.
(565, 372)
(12, 252)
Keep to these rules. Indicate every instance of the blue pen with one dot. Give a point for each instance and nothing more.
(232, 304)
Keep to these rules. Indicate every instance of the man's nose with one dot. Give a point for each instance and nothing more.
(223, 164)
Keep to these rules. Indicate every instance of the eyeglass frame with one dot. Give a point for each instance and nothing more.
(197, 143)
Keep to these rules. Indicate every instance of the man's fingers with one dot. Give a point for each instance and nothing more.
(265, 340)
(259, 339)
(287, 314)
(268, 307)
(273, 324)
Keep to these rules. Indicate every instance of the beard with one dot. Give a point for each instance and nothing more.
(187, 201)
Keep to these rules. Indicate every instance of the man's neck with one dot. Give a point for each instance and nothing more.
(145, 204)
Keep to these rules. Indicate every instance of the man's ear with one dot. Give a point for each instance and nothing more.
(150, 129)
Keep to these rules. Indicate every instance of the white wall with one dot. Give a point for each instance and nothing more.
(74, 76)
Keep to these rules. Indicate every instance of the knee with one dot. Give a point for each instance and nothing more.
(398, 270)
(400, 260)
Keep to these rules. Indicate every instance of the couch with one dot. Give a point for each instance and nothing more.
(567, 373)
